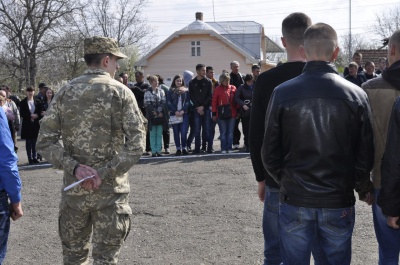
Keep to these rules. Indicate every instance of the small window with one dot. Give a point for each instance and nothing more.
(195, 48)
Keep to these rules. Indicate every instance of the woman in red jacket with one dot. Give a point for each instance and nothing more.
(224, 110)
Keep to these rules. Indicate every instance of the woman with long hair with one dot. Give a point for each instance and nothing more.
(178, 102)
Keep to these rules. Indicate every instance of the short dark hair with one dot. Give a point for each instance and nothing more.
(160, 79)
(294, 26)
(30, 88)
(199, 66)
(209, 68)
(95, 59)
(368, 63)
(248, 77)
(382, 59)
(255, 66)
(357, 54)
(139, 73)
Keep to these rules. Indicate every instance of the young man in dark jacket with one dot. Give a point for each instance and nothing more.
(293, 27)
(318, 146)
(200, 91)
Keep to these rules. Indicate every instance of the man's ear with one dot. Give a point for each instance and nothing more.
(283, 41)
(105, 61)
(335, 54)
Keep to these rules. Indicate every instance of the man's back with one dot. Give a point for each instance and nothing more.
(264, 87)
(325, 139)
(94, 121)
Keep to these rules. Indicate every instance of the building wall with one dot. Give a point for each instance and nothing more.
(175, 57)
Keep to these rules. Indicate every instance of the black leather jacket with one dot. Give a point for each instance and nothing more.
(318, 142)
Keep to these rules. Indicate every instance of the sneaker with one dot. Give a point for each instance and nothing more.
(159, 154)
(204, 149)
(210, 151)
(236, 146)
(230, 151)
(185, 152)
(178, 152)
(223, 152)
(167, 151)
(35, 161)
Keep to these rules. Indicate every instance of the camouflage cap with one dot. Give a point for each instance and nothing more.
(100, 45)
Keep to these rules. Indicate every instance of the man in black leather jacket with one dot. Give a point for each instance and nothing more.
(318, 146)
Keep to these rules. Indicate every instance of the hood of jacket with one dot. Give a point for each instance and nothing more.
(392, 75)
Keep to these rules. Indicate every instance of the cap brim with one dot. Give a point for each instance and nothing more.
(119, 55)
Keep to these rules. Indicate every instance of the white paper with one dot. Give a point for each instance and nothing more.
(77, 183)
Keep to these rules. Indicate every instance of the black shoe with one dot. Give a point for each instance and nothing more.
(146, 153)
(35, 161)
(189, 149)
(204, 149)
(39, 157)
(30, 161)
(178, 152)
(185, 152)
(196, 151)
(210, 151)
(247, 150)
(159, 154)
(167, 151)
(154, 155)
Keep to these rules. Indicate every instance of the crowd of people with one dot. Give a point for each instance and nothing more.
(313, 137)
(193, 106)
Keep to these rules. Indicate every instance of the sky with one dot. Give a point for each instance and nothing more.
(169, 16)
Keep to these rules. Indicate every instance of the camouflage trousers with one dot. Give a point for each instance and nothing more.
(104, 217)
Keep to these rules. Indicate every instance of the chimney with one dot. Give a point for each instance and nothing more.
(199, 16)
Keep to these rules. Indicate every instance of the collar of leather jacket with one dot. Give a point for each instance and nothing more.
(392, 74)
(320, 66)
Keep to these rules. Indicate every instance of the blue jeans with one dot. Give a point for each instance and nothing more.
(156, 138)
(31, 148)
(226, 133)
(333, 227)
(4, 224)
(180, 132)
(387, 237)
(202, 122)
(272, 246)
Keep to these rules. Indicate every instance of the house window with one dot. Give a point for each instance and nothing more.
(195, 48)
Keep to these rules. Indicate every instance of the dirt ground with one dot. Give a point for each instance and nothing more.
(189, 210)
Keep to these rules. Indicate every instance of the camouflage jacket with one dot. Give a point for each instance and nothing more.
(93, 120)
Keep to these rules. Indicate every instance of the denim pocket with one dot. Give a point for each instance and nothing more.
(290, 217)
(338, 221)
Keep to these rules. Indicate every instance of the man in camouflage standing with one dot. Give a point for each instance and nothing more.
(103, 135)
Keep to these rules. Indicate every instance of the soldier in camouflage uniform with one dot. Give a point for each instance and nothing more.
(103, 134)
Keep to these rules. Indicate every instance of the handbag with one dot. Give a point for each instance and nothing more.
(155, 119)
(224, 111)
(173, 119)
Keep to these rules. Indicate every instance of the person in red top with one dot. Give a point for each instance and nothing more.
(224, 94)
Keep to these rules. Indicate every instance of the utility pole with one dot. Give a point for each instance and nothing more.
(350, 53)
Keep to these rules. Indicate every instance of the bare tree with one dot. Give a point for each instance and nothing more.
(386, 22)
(27, 25)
